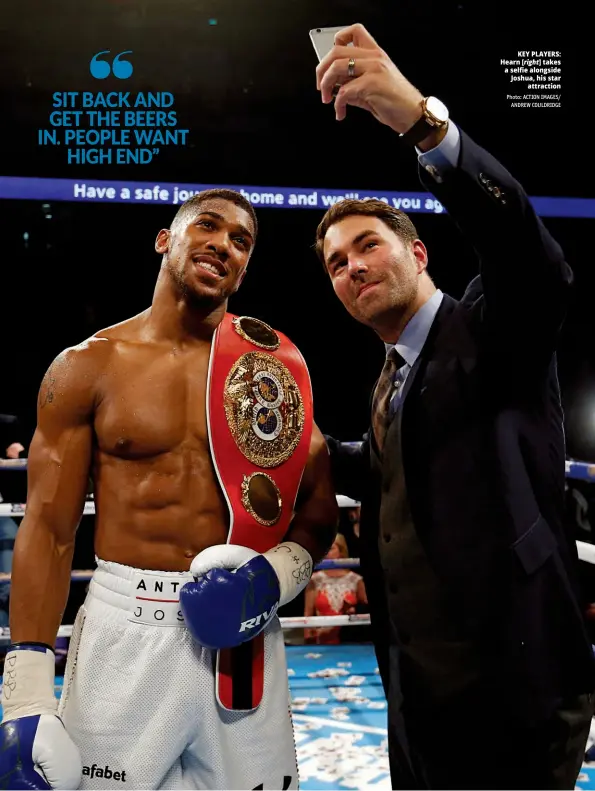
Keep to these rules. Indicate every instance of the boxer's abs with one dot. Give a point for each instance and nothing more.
(158, 515)
(157, 499)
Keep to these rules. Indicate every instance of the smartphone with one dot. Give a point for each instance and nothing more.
(323, 39)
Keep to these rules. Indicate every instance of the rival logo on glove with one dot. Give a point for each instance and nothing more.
(252, 622)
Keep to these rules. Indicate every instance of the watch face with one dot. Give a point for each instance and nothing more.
(437, 108)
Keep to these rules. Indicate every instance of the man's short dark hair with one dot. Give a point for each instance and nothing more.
(193, 204)
(395, 219)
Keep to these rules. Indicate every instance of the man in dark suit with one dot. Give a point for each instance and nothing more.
(471, 575)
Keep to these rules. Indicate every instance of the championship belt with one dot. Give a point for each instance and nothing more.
(259, 417)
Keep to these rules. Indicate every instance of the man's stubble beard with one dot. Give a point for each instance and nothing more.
(394, 302)
(195, 300)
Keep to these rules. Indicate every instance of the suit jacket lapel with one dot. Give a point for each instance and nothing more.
(444, 311)
(410, 379)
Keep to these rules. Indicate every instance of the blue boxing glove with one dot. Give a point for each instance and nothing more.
(35, 749)
(237, 591)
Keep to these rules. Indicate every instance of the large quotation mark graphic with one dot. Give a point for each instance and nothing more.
(100, 69)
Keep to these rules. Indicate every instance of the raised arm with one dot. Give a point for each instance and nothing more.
(525, 278)
(58, 471)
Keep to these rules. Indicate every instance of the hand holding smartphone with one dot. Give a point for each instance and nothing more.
(323, 39)
(363, 76)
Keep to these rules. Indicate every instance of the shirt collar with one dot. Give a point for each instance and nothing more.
(413, 337)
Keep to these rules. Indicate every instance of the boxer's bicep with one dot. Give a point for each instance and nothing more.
(58, 469)
(314, 525)
(60, 452)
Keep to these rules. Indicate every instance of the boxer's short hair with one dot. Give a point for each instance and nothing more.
(192, 205)
(395, 219)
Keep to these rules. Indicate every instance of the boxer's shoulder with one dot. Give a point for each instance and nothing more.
(71, 380)
(86, 358)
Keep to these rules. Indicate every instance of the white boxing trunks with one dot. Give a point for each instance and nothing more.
(139, 696)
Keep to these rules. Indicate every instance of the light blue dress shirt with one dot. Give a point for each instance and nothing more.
(411, 342)
(444, 156)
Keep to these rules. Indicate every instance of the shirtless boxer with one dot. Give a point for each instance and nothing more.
(145, 703)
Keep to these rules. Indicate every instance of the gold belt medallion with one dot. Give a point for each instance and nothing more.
(261, 498)
(264, 409)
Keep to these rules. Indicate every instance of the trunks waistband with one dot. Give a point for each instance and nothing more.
(149, 597)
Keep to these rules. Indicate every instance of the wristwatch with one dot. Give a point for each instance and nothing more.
(434, 116)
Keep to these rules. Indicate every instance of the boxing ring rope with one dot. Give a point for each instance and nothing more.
(292, 622)
(581, 470)
(84, 575)
(18, 509)
(578, 470)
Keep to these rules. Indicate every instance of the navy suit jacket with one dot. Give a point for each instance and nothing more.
(483, 452)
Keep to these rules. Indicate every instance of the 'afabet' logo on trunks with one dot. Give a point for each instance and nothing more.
(106, 772)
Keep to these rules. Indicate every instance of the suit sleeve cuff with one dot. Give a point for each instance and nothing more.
(444, 156)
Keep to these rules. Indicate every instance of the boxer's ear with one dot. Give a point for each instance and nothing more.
(162, 241)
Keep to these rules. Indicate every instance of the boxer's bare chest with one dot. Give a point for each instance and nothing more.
(152, 401)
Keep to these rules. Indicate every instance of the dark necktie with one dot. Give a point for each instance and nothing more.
(382, 396)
